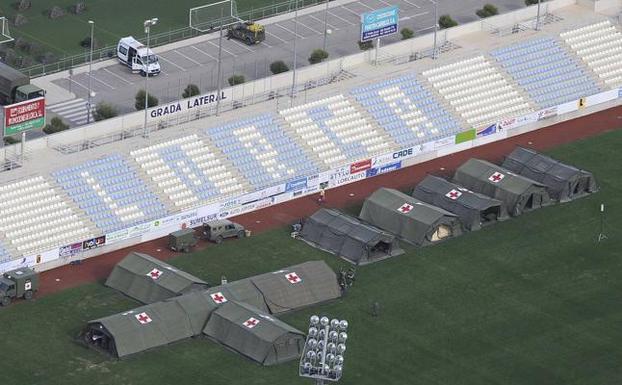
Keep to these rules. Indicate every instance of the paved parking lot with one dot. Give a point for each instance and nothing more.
(198, 63)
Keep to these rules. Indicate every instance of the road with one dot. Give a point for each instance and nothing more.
(198, 63)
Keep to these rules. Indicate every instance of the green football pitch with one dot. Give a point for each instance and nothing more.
(113, 20)
(533, 300)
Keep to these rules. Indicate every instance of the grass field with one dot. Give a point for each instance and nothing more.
(534, 300)
(113, 20)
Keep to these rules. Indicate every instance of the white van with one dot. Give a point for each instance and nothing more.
(136, 56)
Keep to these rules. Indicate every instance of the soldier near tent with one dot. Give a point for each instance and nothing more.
(474, 210)
(518, 194)
(563, 182)
(349, 238)
(412, 220)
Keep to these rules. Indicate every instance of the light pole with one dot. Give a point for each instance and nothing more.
(435, 29)
(325, 25)
(538, 17)
(147, 24)
(89, 101)
(322, 357)
(291, 103)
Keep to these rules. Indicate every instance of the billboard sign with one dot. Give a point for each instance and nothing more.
(379, 23)
(24, 116)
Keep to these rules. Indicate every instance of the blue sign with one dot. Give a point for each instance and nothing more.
(384, 169)
(296, 184)
(379, 23)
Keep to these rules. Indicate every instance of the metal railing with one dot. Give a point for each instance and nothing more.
(162, 38)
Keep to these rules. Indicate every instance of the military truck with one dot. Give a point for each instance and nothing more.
(182, 240)
(15, 86)
(248, 32)
(20, 283)
(217, 231)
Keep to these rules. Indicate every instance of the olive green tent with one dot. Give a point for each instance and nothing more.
(474, 210)
(348, 237)
(254, 334)
(150, 280)
(410, 219)
(298, 286)
(518, 194)
(563, 182)
(243, 290)
(150, 326)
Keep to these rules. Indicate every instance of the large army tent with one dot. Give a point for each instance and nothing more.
(298, 286)
(518, 194)
(150, 280)
(254, 334)
(474, 210)
(151, 325)
(563, 182)
(410, 219)
(348, 237)
(243, 290)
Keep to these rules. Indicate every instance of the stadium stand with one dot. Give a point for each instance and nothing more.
(548, 74)
(259, 148)
(34, 217)
(406, 110)
(111, 193)
(335, 130)
(599, 45)
(187, 171)
(477, 91)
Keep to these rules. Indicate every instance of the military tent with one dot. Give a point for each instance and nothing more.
(243, 290)
(410, 219)
(473, 209)
(348, 237)
(150, 280)
(563, 182)
(150, 326)
(518, 194)
(254, 334)
(298, 286)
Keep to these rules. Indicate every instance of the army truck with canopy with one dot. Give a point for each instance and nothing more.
(20, 283)
(248, 32)
(182, 240)
(15, 86)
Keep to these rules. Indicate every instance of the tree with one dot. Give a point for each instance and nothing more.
(236, 79)
(487, 11)
(139, 103)
(190, 91)
(317, 56)
(278, 67)
(104, 110)
(366, 45)
(445, 21)
(407, 33)
(55, 125)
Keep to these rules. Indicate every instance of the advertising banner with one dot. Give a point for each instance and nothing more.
(510, 123)
(465, 136)
(296, 184)
(94, 243)
(485, 131)
(383, 169)
(547, 113)
(359, 166)
(24, 116)
(70, 250)
(379, 23)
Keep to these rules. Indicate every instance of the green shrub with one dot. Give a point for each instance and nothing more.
(55, 125)
(317, 56)
(278, 67)
(190, 91)
(139, 103)
(532, 2)
(366, 45)
(104, 110)
(407, 33)
(487, 11)
(236, 79)
(445, 21)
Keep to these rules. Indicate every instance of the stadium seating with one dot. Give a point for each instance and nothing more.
(33, 217)
(477, 91)
(548, 74)
(335, 131)
(261, 150)
(111, 193)
(187, 171)
(406, 110)
(600, 47)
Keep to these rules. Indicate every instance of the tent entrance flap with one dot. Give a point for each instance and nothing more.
(380, 249)
(441, 233)
(99, 339)
(490, 215)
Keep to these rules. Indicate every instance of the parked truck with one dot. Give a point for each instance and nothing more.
(182, 240)
(20, 283)
(248, 32)
(137, 57)
(15, 86)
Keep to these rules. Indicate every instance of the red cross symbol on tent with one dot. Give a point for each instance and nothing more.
(453, 194)
(496, 177)
(218, 298)
(405, 208)
(251, 322)
(154, 274)
(143, 318)
(293, 277)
